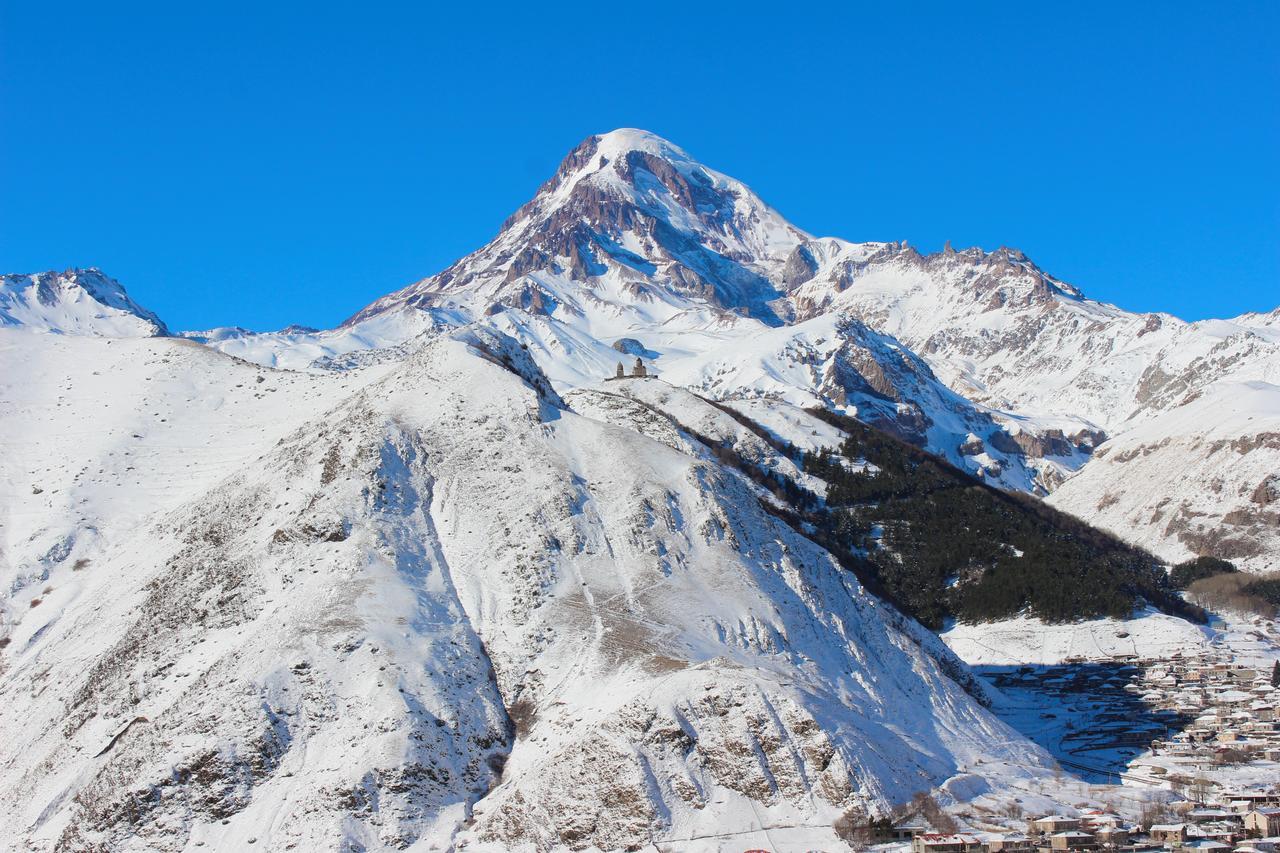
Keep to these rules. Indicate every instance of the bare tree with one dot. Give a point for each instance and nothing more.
(925, 805)
(1152, 813)
(1236, 593)
(853, 827)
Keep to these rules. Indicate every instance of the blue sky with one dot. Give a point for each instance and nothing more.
(269, 163)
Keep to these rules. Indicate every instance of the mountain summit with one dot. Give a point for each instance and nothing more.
(628, 213)
(629, 217)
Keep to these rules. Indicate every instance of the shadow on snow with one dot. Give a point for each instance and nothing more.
(1082, 714)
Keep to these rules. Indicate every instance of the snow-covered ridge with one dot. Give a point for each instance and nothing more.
(299, 348)
(1003, 332)
(75, 302)
(424, 606)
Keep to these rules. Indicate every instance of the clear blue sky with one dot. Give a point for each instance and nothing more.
(269, 163)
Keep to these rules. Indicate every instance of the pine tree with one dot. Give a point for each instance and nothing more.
(1275, 675)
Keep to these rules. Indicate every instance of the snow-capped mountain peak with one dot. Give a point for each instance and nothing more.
(627, 218)
(642, 169)
(75, 302)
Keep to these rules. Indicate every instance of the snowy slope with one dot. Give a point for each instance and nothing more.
(1203, 478)
(999, 330)
(101, 434)
(1026, 640)
(76, 302)
(429, 603)
(383, 338)
(836, 361)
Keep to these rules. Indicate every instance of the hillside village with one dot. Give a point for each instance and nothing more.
(1235, 821)
(1193, 738)
(1194, 720)
(1233, 711)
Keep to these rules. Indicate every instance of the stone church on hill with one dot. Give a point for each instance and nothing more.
(638, 371)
